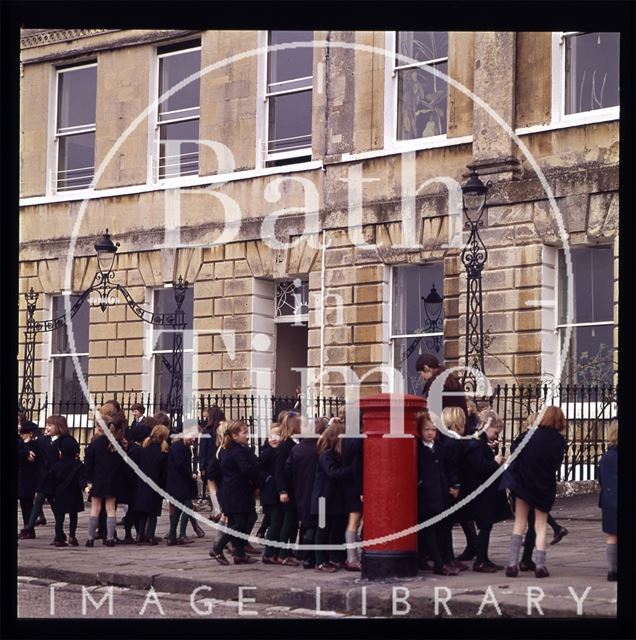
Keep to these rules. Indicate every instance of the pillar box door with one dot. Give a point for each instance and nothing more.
(390, 483)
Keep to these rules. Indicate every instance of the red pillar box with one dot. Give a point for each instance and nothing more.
(390, 485)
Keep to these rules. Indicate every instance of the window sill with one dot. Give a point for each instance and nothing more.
(574, 120)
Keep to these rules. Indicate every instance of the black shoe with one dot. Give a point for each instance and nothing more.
(465, 556)
(109, 543)
(41, 521)
(73, 541)
(559, 535)
(307, 564)
(90, 542)
(198, 530)
(484, 567)
(612, 576)
(60, 543)
(541, 572)
(527, 565)
(244, 560)
(26, 534)
(219, 557)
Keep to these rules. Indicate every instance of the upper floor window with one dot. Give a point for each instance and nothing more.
(75, 126)
(590, 357)
(421, 97)
(417, 318)
(65, 378)
(178, 113)
(288, 97)
(591, 71)
(292, 301)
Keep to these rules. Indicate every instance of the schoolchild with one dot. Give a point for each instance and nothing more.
(241, 476)
(608, 500)
(490, 505)
(63, 486)
(138, 411)
(531, 478)
(181, 483)
(526, 563)
(55, 430)
(106, 477)
(301, 469)
(328, 485)
(31, 469)
(290, 425)
(352, 457)
(269, 496)
(472, 420)
(152, 458)
(207, 451)
(433, 495)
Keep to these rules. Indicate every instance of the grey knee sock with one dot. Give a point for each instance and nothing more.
(110, 528)
(352, 554)
(612, 564)
(539, 558)
(92, 526)
(515, 545)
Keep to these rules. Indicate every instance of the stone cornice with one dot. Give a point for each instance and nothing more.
(51, 36)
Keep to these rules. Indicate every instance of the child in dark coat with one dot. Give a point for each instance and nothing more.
(433, 497)
(490, 505)
(181, 483)
(31, 469)
(329, 483)
(241, 476)
(269, 496)
(151, 458)
(531, 479)
(608, 500)
(63, 487)
(207, 451)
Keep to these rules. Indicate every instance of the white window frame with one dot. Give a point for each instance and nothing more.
(391, 141)
(558, 115)
(391, 336)
(54, 152)
(150, 343)
(51, 357)
(558, 327)
(263, 154)
(154, 124)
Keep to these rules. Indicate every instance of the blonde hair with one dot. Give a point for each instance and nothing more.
(233, 429)
(454, 418)
(471, 406)
(613, 433)
(289, 425)
(490, 418)
(220, 433)
(160, 435)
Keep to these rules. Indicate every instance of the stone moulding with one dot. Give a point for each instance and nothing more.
(59, 35)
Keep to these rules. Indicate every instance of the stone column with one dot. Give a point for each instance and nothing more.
(495, 155)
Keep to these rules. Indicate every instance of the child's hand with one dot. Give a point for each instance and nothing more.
(454, 492)
(31, 456)
(284, 497)
(499, 459)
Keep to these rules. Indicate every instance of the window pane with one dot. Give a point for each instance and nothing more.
(291, 299)
(66, 385)
(405, 354)
(290, 121)
(288, 64)
(77, 92)
(410, 286)
(593, 273)
(76, 161)
(172, 70)
(591, 76)
(590, 357)
(60, 340)
(422, 45)
(177, 157)
(422, 103)
(165, 303)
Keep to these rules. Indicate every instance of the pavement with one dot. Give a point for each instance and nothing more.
(577, 568)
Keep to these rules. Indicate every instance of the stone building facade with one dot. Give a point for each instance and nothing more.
(364, 209)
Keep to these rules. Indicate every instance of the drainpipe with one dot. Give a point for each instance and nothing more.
(322, 311)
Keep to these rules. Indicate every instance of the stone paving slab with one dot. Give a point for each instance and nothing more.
(576, 563)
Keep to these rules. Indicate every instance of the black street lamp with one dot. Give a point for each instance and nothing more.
(474, 256)
(433, 310)
(103, 285)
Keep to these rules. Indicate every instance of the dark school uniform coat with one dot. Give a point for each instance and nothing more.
(352, 457)
(152, 461)
(105, 469)
(608, 499)
(47, 449)
(450, 384)
(207, 449)
(64, 484)
(30, 474)
(329, 483)
(301, 469)
(269, 495)
(532, 475)
(466, 512)
(491, 504)
(432, 480)
(281, 478)
(179, 481)
(240, 472)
